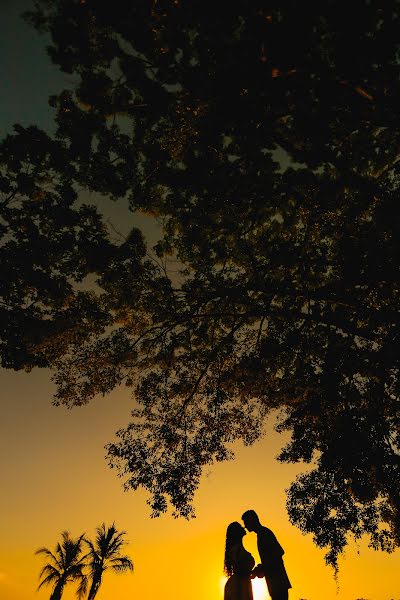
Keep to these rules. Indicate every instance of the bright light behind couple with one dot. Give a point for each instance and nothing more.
(260, 591)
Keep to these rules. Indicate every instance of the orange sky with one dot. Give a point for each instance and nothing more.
(54, 477)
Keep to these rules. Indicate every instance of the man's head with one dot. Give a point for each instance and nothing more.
(251, 520)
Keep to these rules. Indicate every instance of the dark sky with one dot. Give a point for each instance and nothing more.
(26, 73)
(28, 78)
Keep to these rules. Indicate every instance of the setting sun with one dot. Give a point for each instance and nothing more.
(260, 591)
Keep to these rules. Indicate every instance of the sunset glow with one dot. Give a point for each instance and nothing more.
(159, 547)
(217, 306)
(260, 591)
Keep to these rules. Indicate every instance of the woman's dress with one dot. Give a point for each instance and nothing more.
(238, 586)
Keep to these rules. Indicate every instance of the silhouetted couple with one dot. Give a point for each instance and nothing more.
(239, 564)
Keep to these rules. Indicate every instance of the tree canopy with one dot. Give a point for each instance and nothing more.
(264, 137)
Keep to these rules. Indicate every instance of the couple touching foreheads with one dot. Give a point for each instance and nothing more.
(240, 565)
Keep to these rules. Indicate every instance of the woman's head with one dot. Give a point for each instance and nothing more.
(235, 532)
(234, 535)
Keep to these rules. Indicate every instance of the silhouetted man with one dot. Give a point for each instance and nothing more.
(271, 552)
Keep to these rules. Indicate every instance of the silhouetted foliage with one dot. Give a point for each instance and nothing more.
(70, 563)
(105, 554)
(265, 137)
(65, 565)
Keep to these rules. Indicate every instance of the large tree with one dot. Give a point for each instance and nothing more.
(264, 137)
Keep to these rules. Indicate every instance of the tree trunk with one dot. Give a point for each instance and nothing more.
(57, 592)
(94, 588)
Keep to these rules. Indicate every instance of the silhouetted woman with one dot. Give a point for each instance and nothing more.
(238, 565)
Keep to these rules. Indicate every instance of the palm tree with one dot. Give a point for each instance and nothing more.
(65, 565)
(104, 555)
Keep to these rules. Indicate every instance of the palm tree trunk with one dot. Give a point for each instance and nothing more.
(94, 588)
(57, 592)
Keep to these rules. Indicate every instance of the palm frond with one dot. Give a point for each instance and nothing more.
(117, 543)
(120, 564)
(51, 578)
(81, 591)
(49, 569)
(91, 545)
(51, 555)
